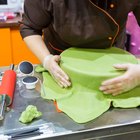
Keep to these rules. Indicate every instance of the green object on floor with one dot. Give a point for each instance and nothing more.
(87, 68)
(29, 114)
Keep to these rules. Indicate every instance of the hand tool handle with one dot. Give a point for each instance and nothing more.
(8, 85)
(2, 106)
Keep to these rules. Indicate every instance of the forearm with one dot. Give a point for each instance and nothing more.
(36, 44)
(38, 47)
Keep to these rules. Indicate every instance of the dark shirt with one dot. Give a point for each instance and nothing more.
(78, 23)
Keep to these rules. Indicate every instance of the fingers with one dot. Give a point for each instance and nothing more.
(58, 74)
(112, 89)
(58, 81)
(112, 81)
(113, 86)
(61, 78)
(57, 58)
(122, 66)
(122, 83)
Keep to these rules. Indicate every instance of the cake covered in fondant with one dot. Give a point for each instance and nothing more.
(87, 68)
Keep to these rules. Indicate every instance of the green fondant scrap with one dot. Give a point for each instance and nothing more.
(29, 114)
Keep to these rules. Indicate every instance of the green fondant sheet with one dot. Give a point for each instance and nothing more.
(87, 68)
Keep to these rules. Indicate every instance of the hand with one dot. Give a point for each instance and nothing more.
(129, 80)
(56, 72)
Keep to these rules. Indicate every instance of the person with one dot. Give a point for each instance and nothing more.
(79, 23)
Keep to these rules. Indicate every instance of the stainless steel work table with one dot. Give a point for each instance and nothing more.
(113, 125)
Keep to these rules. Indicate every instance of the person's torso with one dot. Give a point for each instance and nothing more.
(88, 23)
